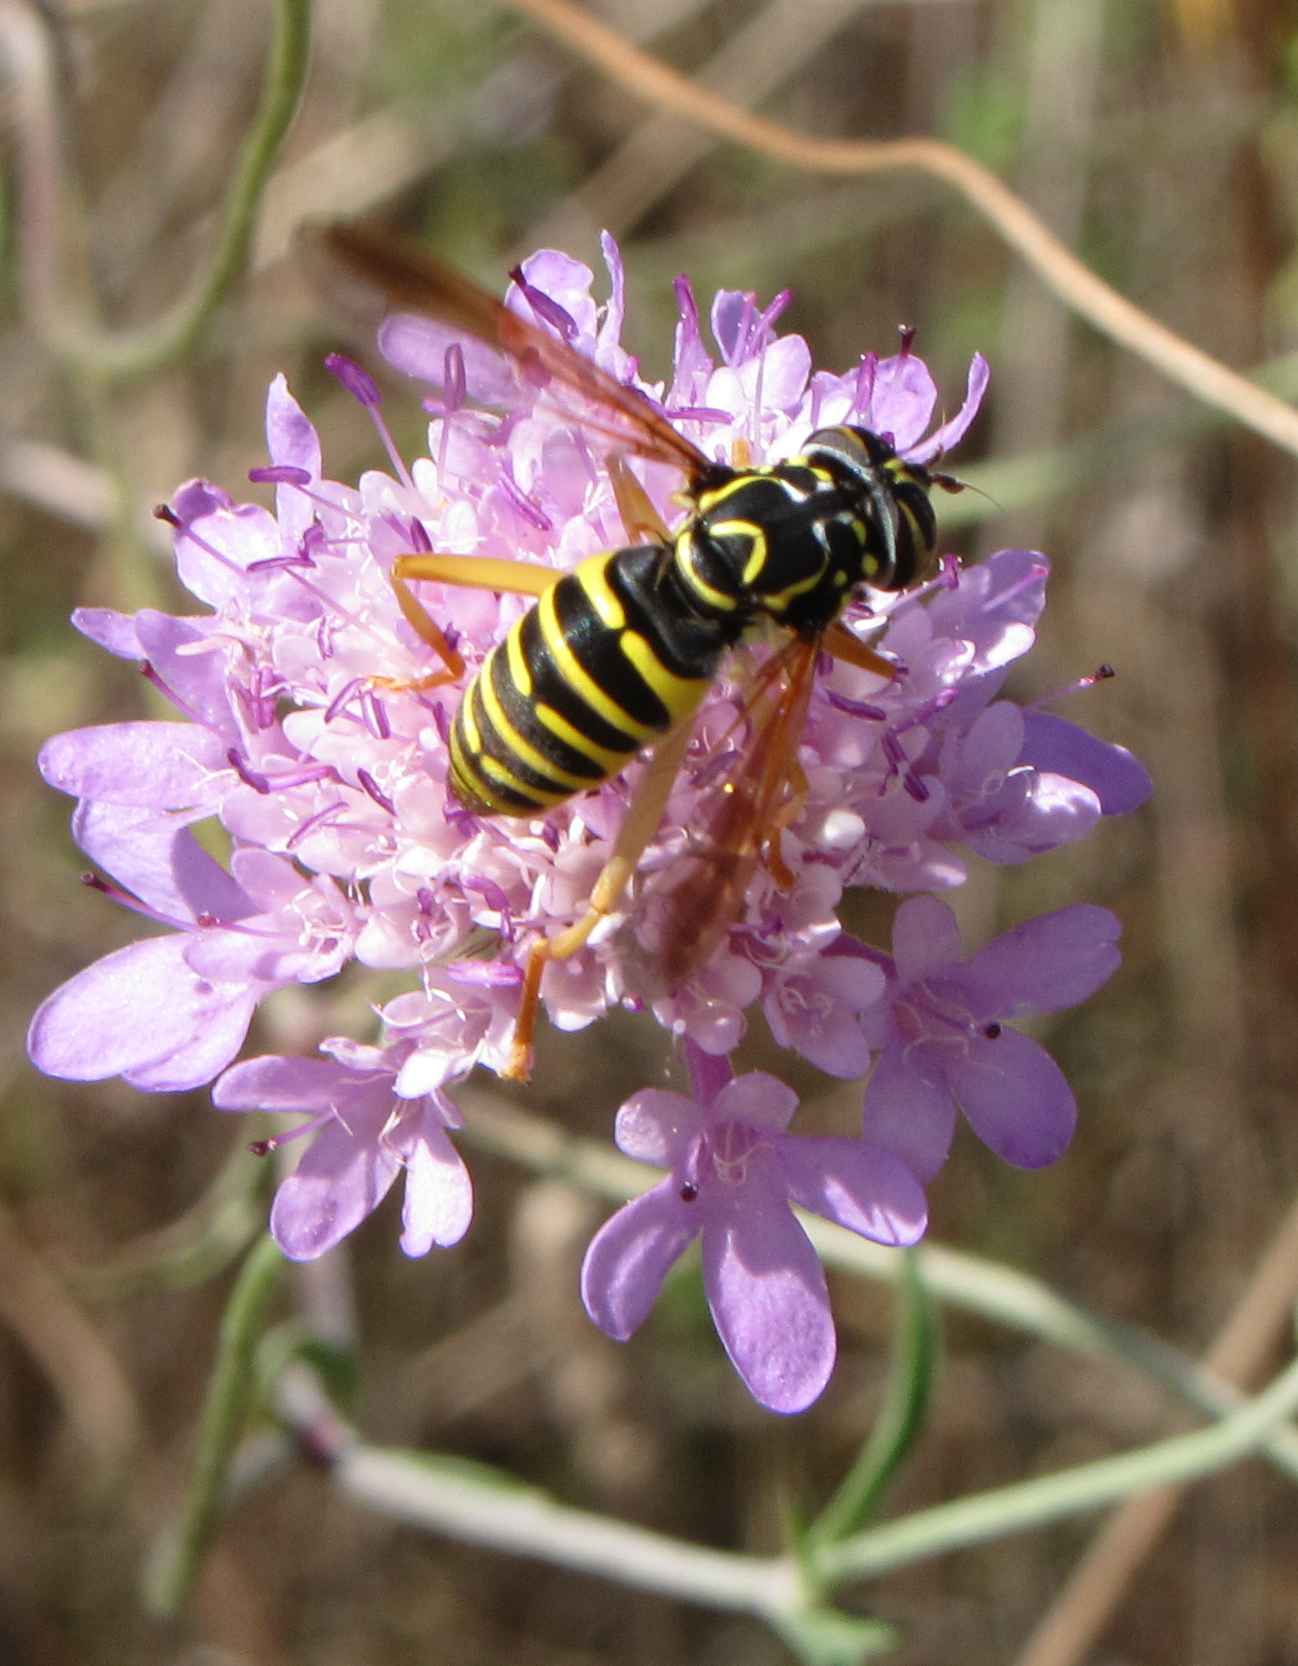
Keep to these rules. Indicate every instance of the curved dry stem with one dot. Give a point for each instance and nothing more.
(1075, 284)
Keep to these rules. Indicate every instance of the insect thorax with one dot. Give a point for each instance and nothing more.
(794, 540)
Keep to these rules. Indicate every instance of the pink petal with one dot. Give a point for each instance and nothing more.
(1016, 1099)
(341, 1179)
(865, 1189)
(630, 1256)
(766, 1289)
(925, 939)
(909, 1110)
(168, 766)
(140, 1013)
(438, 1204)
(158, 862)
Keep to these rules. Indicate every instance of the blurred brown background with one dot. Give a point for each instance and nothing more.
(1160, 140)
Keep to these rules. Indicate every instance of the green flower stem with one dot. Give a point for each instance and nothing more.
(1050, 1498)
(900, 1421)
(478, 1506)
(179, 1556)
(139, 352)
(995, 1292)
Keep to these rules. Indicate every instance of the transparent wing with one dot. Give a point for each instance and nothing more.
(741, 819)
(407, 277)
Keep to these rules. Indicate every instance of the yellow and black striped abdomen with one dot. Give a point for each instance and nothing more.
(606, 662)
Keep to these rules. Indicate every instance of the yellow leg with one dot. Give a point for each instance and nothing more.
(640, 520)
(841, 644)
(467, 572)
(639, 826)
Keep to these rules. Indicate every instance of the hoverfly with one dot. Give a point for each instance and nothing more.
(616, 655)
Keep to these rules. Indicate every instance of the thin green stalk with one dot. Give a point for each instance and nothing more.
(1048, 1498)
(477, 1505)
(899, 1423)
(179, 1556)
(139, 352)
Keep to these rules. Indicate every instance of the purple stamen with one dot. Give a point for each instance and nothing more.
(355, 378)
(866, 372)
(376, 792)
(529, 510)
(150, 675)
(132, 904)
(547, 311)
(279, 783)
(454, 383)
(164, 512)
(279, 474)
(855, 708)
(342, 698)
(330, 813)
(695, 413)
(376, 715)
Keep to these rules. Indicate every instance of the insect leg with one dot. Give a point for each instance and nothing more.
(639, 826)
(640, 519)
(468, 572)
(839, 642)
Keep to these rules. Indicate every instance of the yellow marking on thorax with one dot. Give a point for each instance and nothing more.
(779, 601)
(687, 564)
(579, 679)
(718, 495)
(679, 694)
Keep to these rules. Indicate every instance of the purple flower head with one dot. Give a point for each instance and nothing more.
(309, 727)
(942, 1041)
(364, 1133)
(734, 1172)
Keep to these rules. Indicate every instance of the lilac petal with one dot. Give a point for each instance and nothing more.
(757, 1100)
(1030, 815)
(902, 400)
(909, 1110)
(1120, 781)
(417, 346)
(1044, 965)
(925, 939)
(1016, 1099)
(110, 629)
(652, 1125)
(290, 437)
(341, 1179)
(181, 652)
(214, 552)
(785, 370)
(169, 766)
(438, 1205)
(861, 1187)
(805, 1017)
(766, 1289)
(949, 435)
(630, 1256)
(160, 863)
(140, 1013)
(276, 1083)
